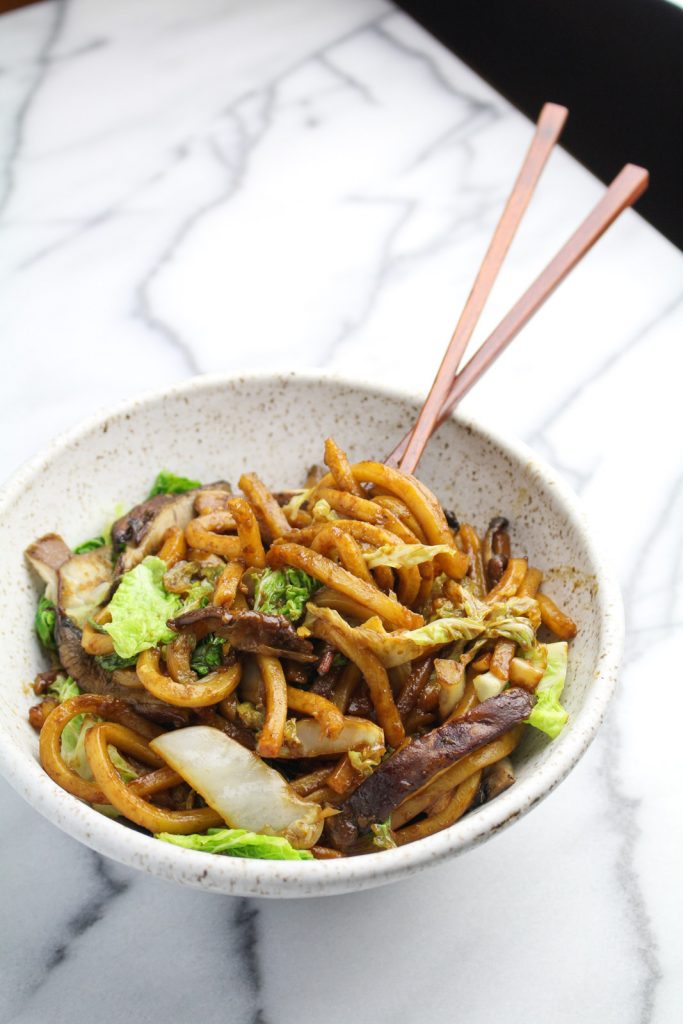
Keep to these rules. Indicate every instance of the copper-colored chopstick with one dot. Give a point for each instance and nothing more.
(626, 188)
(548, 127)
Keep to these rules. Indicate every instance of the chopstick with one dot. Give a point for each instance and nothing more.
(548, 128)
(624, 190)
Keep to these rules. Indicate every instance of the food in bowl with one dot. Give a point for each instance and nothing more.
(321, 673)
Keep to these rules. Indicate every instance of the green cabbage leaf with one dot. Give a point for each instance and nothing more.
(548, 714)
(169, 483)
(284, 592)
(207, 655)
(402, 556)
(382, 836)
(238, 842)
(44, 621)
(401, 645)
(90, 545)
(140, 609)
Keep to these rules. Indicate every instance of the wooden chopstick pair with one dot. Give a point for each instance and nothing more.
(450, 386)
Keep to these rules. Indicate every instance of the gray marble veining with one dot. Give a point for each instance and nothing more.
(295, 183)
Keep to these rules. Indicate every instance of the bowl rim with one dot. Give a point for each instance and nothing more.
(309, 878)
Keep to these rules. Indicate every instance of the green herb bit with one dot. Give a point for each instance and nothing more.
(44, 621)
(207, 655)
(89, 545)
(169, 483)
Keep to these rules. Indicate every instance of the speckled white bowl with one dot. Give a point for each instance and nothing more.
(218, 427)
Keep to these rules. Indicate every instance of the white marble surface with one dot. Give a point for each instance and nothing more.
(187, 187)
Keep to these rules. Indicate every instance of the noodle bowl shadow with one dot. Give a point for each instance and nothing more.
(219, 427)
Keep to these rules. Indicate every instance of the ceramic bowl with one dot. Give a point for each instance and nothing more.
(218, 427)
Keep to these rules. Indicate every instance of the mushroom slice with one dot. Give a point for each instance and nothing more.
(247, 631)
(92, 678)
(141, 530)
(496, 779)
(410, 767)
(311, 741)
(46, 555)
(83, 583)
(239, 785)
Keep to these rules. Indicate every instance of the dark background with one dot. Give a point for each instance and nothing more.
(617, 65)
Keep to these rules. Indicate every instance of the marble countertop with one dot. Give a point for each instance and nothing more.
(293, 183)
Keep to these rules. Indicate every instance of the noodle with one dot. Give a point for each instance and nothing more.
(174, 547)
(375, 676)
(555, 619)
(420, 503)
(198, 694)
(340, 469)
(207, 534)
(330, 539)
(51, 736)
(352, 506)
(509, 581)
(265, 504)
(275, 686)
(343, 689)
(327, 713)
(531, 582)
(455, 808)
(227, 584)
(248, 532)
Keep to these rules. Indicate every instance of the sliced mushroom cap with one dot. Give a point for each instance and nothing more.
(83, 583)
(496, 779)
(247, 631)
(92, 678)
(46, 555)
(412, 766)
(140, 532)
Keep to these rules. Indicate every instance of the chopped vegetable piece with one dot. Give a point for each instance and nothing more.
(199, 593)
(322, 512)
(46, 615)
(207, 655)
(487, 685)
(403, 645)
(169, 483)
(89, 545)
(548, 714)
(63, 688)
(140, 609)
(401, 556)
(383, 836)
(284, 592)
(237, 842)
(365, 761)
(309, 739)
(242, 788)
(113, 662)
